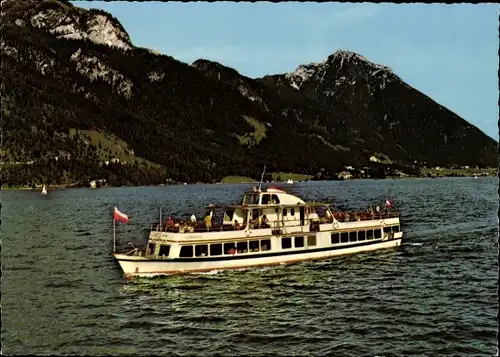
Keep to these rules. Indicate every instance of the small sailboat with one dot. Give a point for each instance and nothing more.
(44, 190)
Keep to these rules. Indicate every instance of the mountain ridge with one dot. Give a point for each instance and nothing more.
(78, 69)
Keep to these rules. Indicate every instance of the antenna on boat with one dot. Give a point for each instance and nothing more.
(262, 177)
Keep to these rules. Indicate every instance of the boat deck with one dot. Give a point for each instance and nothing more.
(186, 226)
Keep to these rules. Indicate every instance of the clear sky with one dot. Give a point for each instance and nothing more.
(448, 52)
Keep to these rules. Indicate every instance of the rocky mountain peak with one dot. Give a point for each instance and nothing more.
(65, 21)
(337, 67)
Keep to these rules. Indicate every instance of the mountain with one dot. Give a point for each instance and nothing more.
(80, 101)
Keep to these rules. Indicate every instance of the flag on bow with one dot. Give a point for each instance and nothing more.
(121, 217)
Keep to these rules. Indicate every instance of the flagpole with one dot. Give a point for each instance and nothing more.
(114, 235)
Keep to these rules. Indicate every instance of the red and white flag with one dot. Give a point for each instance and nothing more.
(388, 203)
(118, 216)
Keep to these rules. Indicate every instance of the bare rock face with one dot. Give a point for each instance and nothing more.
(65, 21)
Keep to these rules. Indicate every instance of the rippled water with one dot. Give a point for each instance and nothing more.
(62, 293)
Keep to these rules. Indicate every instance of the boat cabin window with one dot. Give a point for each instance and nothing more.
(164, 250)
(265, 244)
(286, 243)
(275, 200)
(369, 234)
(253, 246)
(335, 238)
(395, 228)
(311, 241)
(361, 235)
(387, 229)
(299, 242)
(352, 237)
(344, 237)
(255, 214)
(228, 215)
(242, 247)
(229, 248)
(251, 199)
(186, 251)
(292, 212)
(215, 249)
(378, 233)
(266, 199)
(151, 249)
(285, 211)
(201, 250)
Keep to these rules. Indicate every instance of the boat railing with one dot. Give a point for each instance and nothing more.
(351, 216)
(345, 216)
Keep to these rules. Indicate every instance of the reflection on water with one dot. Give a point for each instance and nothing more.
(62, 293)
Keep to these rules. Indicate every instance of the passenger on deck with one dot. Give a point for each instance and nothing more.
(193, 218)
(265, 222)
(237, 224)
(208, 221)
(170, 222)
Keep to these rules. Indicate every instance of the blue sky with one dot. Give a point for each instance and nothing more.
(448, 52)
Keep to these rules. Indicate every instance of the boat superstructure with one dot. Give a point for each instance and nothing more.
(269, 227)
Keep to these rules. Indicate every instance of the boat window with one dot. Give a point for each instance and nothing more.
(266, 199)
(186, 251)
(395, 229)
(164, 250)
(252, 199)
(228, 215)
(285, 211)
(275, 200)
(286, 243)
(254, 245)
(299, 242)
(369, 234)
(378, 233)
(361, 235)
(228, 248)
(387, 229)
(353, 237)
(201, 250)
(344, 237)
(255, 214)
(242, 247)
(292, 212)
(335, 238)
(265, 244)
(311, 241)
(151, 248)
(215, 249)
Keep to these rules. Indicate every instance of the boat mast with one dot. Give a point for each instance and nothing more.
(262, 177)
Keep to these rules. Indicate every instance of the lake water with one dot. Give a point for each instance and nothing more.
(62, 293)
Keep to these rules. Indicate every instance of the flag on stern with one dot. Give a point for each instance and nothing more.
(388, 203)
(118, 216)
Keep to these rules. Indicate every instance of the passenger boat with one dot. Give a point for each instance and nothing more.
(269, 227)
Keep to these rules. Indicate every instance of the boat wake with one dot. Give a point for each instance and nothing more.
(413, 244)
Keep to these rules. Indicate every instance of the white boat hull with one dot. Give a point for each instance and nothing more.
(137, 266)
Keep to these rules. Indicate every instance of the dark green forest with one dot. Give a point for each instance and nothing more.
(191, 120)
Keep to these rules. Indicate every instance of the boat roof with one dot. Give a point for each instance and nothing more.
(250, 206)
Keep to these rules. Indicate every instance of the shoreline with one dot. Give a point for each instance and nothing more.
(74, 185)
